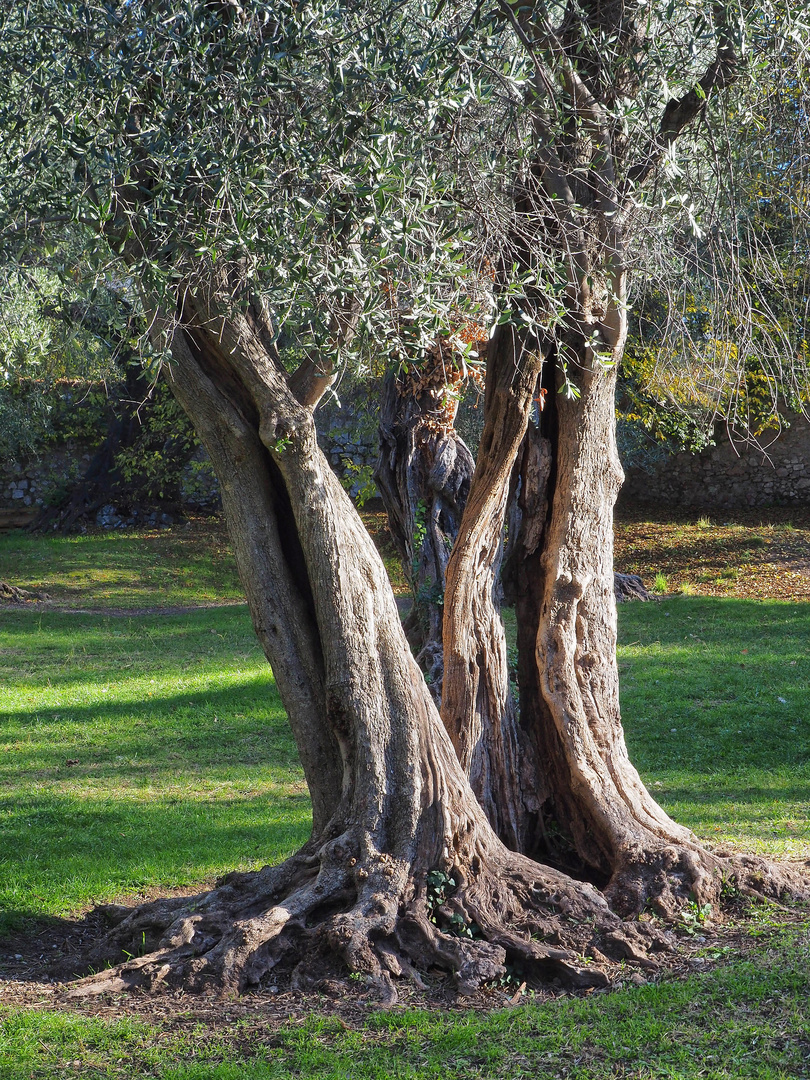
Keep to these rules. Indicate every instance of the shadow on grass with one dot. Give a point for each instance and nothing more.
(69, 851)
(242, 723)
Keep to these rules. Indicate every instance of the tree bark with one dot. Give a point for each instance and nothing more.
(478, 707)
(595, 818)
(599, 800)
(402, 871)
(423, 475)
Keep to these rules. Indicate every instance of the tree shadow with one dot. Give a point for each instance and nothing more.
(76, 850)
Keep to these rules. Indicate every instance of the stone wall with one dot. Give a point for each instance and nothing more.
(34, 482)
(347, 433)
(734, 473)
(347, 436)
(38, 481)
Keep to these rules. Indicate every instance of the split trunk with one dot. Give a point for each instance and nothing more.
(403, 871)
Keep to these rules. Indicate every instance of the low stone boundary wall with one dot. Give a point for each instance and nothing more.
(734, 473)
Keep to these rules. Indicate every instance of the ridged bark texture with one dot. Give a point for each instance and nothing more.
(423, 475)
(403, 871)
(478, 708)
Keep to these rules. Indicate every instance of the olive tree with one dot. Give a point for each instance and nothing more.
(284, 181)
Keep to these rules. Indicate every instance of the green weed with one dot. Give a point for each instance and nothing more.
(660, 584)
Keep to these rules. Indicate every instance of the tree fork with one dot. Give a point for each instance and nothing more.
(395, 804)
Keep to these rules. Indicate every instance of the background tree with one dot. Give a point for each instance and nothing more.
(71, 368)
(719, 331)
(597, 135)
(423, 475)
(281, 165)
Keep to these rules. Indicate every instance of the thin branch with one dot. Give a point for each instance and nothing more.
(680, 112)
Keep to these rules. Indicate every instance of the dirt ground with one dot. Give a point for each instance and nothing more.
(754, 554)
(26, 981)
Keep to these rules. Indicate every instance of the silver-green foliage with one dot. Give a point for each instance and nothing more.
(366, 168)
(299, 142)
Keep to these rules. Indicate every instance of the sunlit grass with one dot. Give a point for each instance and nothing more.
(141, 754)
(183, 566)
(138, 753)
(747, 1018)
(153, 752)
(716, 706)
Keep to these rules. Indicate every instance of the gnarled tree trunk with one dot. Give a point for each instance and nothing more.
(423, 475)
(402, 871)
(478, 707)
(599, 802)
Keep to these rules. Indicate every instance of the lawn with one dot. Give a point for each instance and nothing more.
(184, 566)
(716, 706)
(746, 1018)
(149, 752)
(138, 753)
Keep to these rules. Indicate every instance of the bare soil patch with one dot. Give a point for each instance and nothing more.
(28, 959)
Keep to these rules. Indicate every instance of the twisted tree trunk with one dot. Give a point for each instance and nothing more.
(570, 695)
(423, 475)
(478, 707)
(402, 871)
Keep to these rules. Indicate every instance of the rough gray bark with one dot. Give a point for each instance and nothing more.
(423, 475)
(401, 857)
(629, 587)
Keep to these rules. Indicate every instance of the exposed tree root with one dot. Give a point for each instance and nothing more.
(12, 595)
(663, 880)
(628, 587)
(326, 913)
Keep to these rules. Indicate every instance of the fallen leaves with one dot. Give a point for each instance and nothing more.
(762, 555)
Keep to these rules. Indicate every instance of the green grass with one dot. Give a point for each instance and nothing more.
(660, 584)
(186, 769)
(183, 566)
(716, 705)
(745, 1019)
(186, 766)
